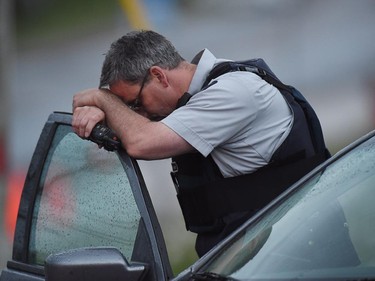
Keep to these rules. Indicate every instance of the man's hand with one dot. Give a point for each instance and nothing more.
(85, 118)
(86, 113)
(87, 97)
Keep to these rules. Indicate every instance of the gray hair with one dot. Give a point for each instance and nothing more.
(130, 57)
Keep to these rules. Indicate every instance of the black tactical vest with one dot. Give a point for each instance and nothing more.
(205, 196)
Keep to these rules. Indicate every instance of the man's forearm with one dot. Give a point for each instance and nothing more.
(127, 124)
(142, 138)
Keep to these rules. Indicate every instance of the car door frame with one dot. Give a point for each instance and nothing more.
(19, 269)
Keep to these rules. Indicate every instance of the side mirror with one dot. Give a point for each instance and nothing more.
(99, 263)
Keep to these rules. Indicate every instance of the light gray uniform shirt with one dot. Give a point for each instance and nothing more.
(240, 120)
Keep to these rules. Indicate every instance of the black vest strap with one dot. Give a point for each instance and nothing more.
(183, 100)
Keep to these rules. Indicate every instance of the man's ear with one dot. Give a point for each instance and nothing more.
(160, 74)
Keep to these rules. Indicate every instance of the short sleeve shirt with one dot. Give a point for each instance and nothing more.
(240, 119)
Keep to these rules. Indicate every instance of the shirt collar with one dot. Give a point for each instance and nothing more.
(205, 61)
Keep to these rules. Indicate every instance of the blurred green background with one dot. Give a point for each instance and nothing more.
(51, 49)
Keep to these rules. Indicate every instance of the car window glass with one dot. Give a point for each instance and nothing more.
(84, 199)
(324, 229)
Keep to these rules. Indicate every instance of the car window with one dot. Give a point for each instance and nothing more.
(323, 230)
(84, 199)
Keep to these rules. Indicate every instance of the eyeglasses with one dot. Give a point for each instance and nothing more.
(137, 103)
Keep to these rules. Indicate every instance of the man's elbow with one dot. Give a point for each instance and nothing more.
(136, 151)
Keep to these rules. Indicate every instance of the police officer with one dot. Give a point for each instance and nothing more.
(162, 106)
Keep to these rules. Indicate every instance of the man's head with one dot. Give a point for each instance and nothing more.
(135, 60)
(131, 56)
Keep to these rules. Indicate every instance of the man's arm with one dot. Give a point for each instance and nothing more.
(141, 138)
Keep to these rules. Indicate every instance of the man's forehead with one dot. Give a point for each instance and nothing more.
(121, 85)
(124, 89)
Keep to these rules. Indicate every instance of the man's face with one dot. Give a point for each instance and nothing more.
(150, 98)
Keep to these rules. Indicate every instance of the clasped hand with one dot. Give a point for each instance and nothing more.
(86, 112)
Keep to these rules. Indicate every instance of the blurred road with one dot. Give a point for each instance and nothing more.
(324, 48)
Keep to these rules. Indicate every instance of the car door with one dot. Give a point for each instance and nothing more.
(78, 196)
